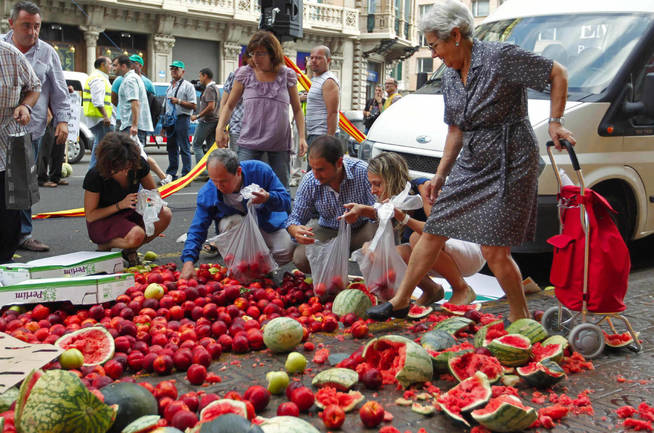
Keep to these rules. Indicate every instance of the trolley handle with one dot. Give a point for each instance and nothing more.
(571, 152)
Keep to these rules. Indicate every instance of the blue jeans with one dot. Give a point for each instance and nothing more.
(204, 133)
(177, 143)
(99, 131)
(280, 162)
(26, 214)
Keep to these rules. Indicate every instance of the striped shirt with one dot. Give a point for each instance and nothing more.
(16, 78)
(316, 109)
(237, 114)
(313, 200)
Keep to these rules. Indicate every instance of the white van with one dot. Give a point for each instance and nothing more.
(607, 47)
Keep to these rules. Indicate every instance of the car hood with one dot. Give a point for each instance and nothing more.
(416, 121)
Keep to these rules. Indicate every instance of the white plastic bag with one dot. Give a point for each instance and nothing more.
(149, 204)
(381, 265)
(328, 261)
(243, 248)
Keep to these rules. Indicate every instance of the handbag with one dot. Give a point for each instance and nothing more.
(170, 116)
(21, 184)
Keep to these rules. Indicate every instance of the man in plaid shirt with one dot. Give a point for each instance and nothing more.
(19, 91)
(332, 182)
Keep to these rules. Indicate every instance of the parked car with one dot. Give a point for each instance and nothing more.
(77, 149)
(608, 50)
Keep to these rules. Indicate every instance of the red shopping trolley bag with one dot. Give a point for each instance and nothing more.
(608, 260)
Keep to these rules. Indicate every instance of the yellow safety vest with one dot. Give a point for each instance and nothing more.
(91, 110)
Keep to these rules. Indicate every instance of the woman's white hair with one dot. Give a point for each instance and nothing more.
(444, 16)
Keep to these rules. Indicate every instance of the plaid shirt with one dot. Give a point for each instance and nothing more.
(313, 200)
(237, 114)
(16, 78)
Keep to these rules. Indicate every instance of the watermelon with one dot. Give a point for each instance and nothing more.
(511, 350)
(340, 378)
(505, 413)
(551, 351)
(459, 310)
(529, 328)
(282, 334)
(418, 311)
(133, 401)
(142, 424)
(95, 343)
(426, 410)
(454, 324)
(287, 424)
(556, 339)
(398, 359)
(464, 366)
(58, 401)
(618, 340)
(220, 407)
(7, 398)
(330, 395)
(226, 423)
(440, 359)
(437, 340)
(543, 374)
(466, 396)
(488, 333)
(353, 301)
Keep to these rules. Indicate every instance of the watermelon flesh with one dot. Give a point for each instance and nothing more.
(618, 340)
(459, 310)
(465, 366)
(388, 357)
(222, 407)
(514, 341)
(465, 396)
(95, 343)
(496, 402)
(347, 401)
(550, 351)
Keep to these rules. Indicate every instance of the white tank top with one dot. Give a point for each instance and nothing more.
(316, 119)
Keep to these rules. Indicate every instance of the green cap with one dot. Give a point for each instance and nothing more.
(178, 64)
(136, 58)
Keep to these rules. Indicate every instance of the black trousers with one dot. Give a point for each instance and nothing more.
(50, 157)
(9, 228)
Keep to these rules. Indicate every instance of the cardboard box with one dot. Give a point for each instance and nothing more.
(94, 289)
(68, 265)
(18, 358)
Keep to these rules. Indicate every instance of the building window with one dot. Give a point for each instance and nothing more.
(426, 64)
(397, 72)
(422, 10)
(480, 8)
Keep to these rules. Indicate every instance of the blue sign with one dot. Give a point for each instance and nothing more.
(372, 76)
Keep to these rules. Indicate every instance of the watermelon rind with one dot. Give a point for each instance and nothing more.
(7, 398)
(479, 380)
(437, 340)
(108, 342)
(454, 324)
(133, 401)
(451, 309)
(142, 424)
(479, 339)
(556, 339)
(423, 409)
(510, 355)
(238, 405)
(424, 312)
(609, 343)
(351, 301)
(60, 402)
(418, 366)
(543, 374)
(287, 424)
(552, 351)
(356, 396)
(510, 416)
(282, 334)
(339, 378)
(530, 328)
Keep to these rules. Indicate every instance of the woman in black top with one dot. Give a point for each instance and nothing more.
(110, 197)
(373, 108)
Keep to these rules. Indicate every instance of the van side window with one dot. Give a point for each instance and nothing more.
(639, 80)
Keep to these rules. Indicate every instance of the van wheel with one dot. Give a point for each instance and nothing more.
(622, 200)
(76, 151)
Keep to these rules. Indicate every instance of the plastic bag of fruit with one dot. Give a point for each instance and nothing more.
(328, 261)
(149, 204)
(381, 265)
(243, 248)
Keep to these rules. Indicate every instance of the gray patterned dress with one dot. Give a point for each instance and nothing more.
(490, 195)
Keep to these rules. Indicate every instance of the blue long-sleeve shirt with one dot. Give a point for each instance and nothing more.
(54, 91)
(211, 207)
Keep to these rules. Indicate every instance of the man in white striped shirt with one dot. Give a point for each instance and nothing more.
(323, 96)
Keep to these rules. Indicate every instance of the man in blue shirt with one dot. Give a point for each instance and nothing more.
(219, 200)
(25, 23)
(332, 182)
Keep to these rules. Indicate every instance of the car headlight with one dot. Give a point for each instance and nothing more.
(365, 150)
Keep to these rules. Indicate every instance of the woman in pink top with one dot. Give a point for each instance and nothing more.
(267, 88)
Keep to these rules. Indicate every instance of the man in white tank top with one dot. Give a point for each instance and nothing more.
(323, 96)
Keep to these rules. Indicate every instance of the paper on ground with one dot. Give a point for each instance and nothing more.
(485, 286)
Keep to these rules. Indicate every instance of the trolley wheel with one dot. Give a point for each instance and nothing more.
(587, 339)
(550, 321)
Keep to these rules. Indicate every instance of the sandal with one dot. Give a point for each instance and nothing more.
(440, 294)
(210, 250)
(131, 257)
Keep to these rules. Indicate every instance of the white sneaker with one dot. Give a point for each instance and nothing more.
(166, 180)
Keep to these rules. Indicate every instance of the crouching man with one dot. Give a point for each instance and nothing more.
(219, 200)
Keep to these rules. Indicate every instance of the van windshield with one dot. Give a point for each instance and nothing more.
(592, 47)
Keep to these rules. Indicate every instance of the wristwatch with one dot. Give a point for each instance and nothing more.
(560, 120)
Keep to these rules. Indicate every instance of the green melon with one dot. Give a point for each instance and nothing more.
(454, 324)
(282, 334)
(340, 378)
(529, 328)
(505, 413)
(58, 401)
(414, 365)
(95, 343)
(466, 396)
(351, 301)
(287, 424)
(134, 402)
(488, 333)
(437, 340)
(512, 349)
(543, 374)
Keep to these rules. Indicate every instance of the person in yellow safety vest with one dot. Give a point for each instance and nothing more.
(390, 85)
(96, 103)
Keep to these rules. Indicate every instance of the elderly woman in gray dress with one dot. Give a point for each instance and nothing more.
(490, 193)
